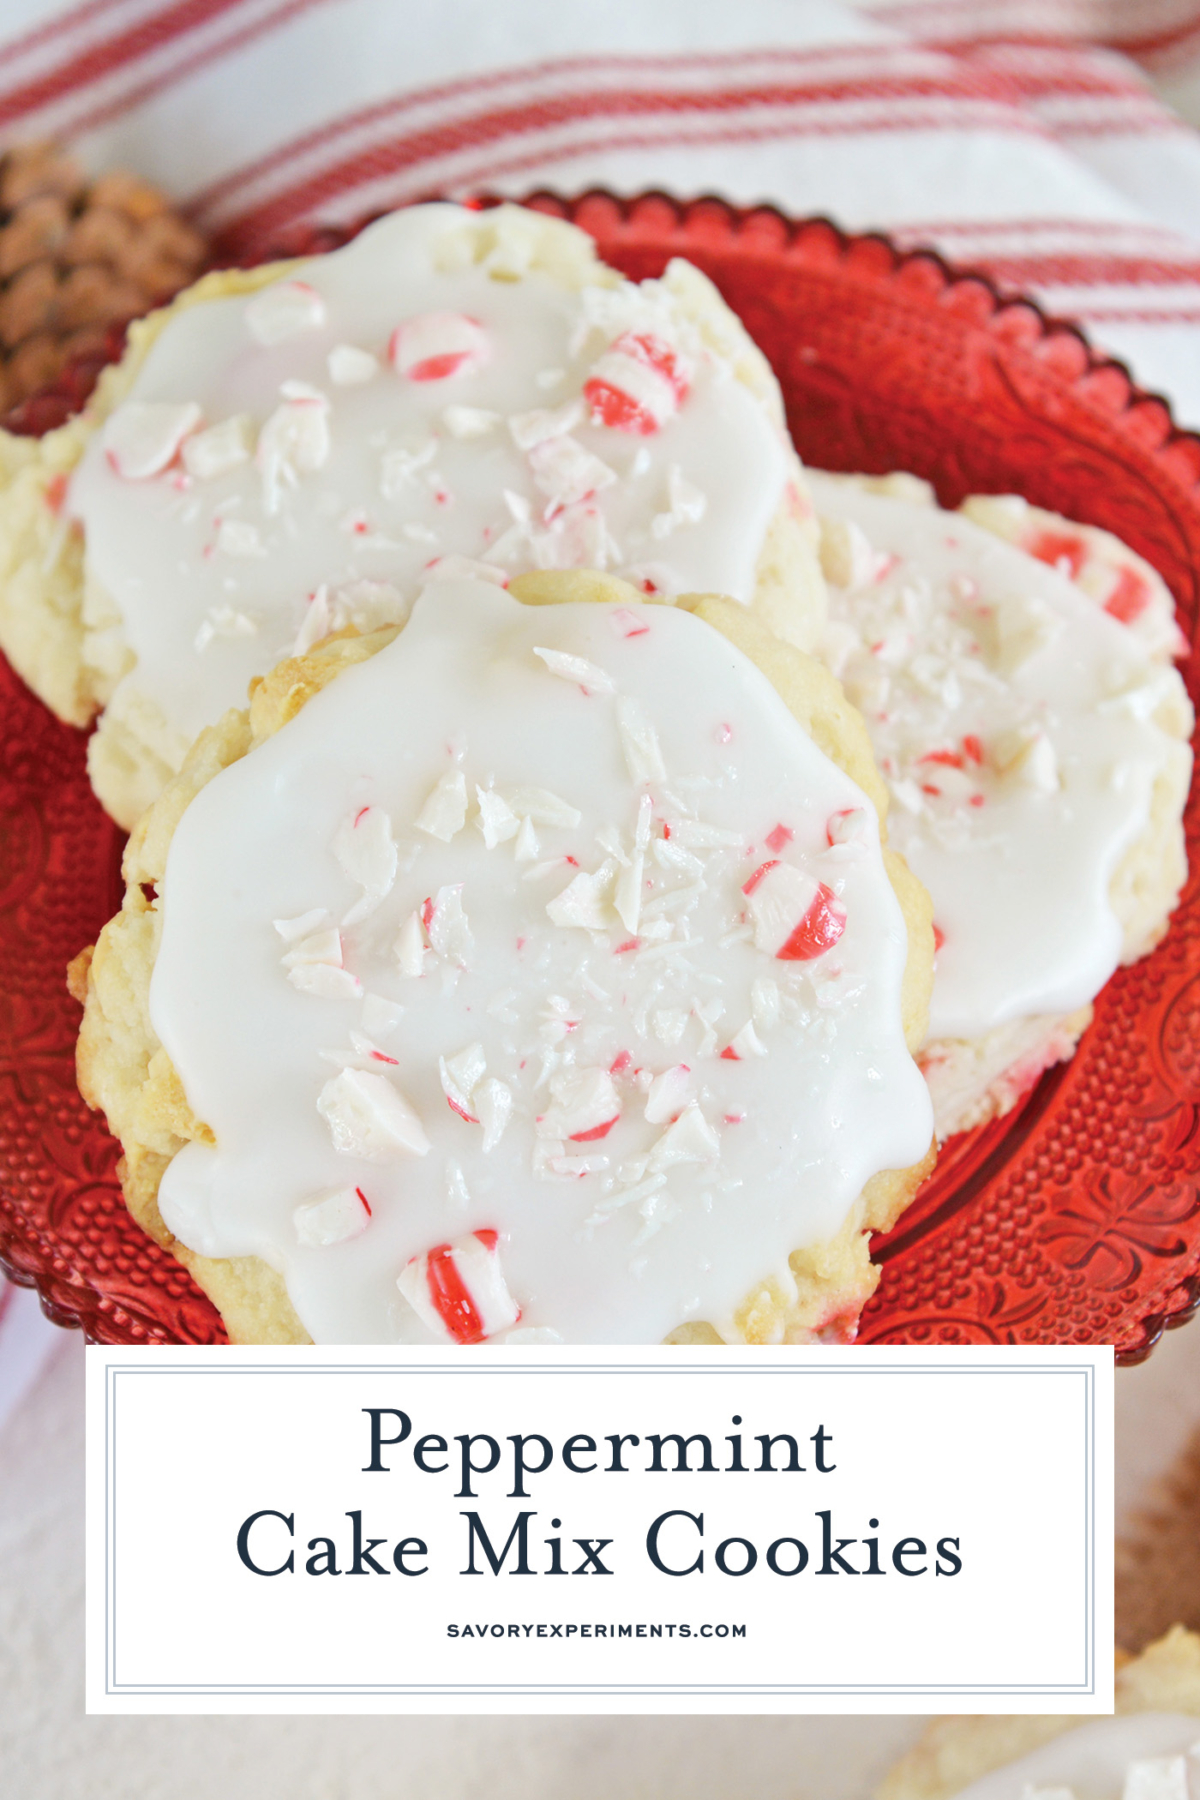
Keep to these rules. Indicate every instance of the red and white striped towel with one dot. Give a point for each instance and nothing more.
(1033, 137)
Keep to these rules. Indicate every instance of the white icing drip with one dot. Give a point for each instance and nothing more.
(364, 474)
(568, 1078)
(1094, 1761)
(1001, 706)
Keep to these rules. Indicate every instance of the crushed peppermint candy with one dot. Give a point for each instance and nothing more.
(366, 851)
(293, 442)
(141, 438)
(669, 1093)
(410, 946)
(796, 917)
(445, 811)
(566, 473)
(287, 309)
(214, 451)
(460, 1076)
(639, 741)
(458, 1290)
(349, 366)
(469, 421)
(331, 1218)
(583, 903)
(587, 675)
(532, 428)
(639, 383)
(586, 1107)
(437, 346)
(686, 504)
(369, 1118)
(744, 1043)
(495, 818)
(226, 622)
(314, 965)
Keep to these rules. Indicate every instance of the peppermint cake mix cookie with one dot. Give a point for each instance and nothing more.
(1149, 1751)
(1037, 757)
(289, 450)
(535, 967)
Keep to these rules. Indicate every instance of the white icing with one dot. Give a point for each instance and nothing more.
(1037, 710)
(329, 458)
(548, 1071)
(1108, 1759)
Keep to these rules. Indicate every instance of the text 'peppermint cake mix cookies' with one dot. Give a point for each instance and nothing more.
(1036, 753)
(292, 449)
(537, 966)
(1149, 1751)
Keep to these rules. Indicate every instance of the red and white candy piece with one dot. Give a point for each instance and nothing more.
(460, 1075)
(332, 1218)
(744, 1043)
(434, 346)
(669, 1093)
(626, 623)
(369, 1118)
(796, 917)
(143, 437)
(285, 310)
(639, 383)
(586, 1106)
(366, 851)
(846, 827)
(458, 1290)
(690, 1139)
(447, 925)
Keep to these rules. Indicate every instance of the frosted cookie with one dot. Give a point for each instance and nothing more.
(1037, 756)
(1150, 1750)
(538, 966)
(292, 449)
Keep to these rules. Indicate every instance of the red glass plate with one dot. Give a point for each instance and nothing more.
(1074, 1220)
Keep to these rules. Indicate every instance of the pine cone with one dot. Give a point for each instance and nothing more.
(76, 257)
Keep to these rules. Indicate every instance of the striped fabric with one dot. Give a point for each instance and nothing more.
(1020, 134)
(1025, 135)
(1045, 140)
